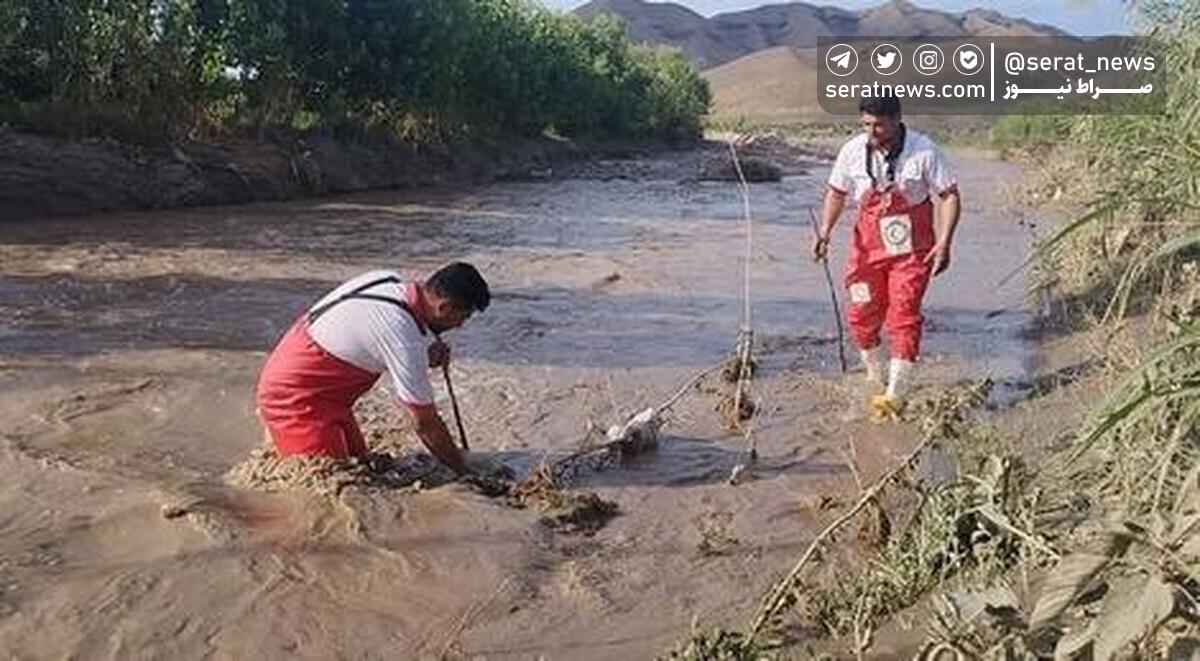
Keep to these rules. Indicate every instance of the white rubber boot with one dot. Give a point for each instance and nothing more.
(889, 405)
(900, 378)
(860, 393)
(872, 359)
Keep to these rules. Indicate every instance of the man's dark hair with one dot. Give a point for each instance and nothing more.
(880, 106)
(461, 283)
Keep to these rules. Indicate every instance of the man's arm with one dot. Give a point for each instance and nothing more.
(835, 201)
(941, 179)
(949, 208)
(837, 187)
(433, 433)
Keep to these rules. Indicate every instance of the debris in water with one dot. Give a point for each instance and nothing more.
(739, 370)
(716, 533)
(581, 513)
(174, 510)
(214, 514)
(827, 502)
(267, 470)
(491, 486)
(876, 528)
(753, 169)
(735, 476)
(637, 435)
(565, 511)
(543, 485)
(725, 406)
(607, 280)
(731, 371)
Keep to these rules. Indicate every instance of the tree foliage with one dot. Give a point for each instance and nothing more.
(420, 68)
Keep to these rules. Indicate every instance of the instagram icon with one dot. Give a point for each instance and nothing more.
(928, 59)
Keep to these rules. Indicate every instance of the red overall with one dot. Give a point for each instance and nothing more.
(306, 395)
(886, 273)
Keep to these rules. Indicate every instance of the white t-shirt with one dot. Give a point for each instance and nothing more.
(921, 169)
(378, 336)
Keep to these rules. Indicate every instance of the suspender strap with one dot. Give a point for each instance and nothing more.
(358, 292)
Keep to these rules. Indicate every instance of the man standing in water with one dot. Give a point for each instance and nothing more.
(338, 348)
(893, 175)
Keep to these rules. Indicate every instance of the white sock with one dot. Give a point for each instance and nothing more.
(900, 377)
(873, 360)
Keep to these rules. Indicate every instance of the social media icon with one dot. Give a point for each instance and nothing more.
(968, 59)
(928, 59)
(886, 59)
(841, 60)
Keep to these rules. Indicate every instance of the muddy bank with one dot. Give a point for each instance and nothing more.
(46, 176)
(42, 175)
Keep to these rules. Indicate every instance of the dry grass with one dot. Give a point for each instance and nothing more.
(1128, 580)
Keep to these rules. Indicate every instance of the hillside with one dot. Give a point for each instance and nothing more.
(710, 42)
(774, 85)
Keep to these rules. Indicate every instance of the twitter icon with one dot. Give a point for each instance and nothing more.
(886, 59)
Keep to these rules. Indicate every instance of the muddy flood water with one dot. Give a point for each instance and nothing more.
(130, 343)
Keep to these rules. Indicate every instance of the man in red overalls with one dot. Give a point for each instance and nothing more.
(894, 174)
(338, 348)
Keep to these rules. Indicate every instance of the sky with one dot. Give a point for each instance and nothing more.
(1080, 17)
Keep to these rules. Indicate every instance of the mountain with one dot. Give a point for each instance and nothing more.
(710, 42)
(669, 24)
(773, 85)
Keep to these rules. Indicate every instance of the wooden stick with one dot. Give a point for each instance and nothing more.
(746, 336)
(837, 310)
(744, 353)
(462, 432)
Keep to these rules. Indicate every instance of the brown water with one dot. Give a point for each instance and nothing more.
(129, 346)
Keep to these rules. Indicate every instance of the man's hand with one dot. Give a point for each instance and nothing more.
(835, 200)
(949, 210)
(939, 258)
(439, 354)
(820, 248)
(434, 435)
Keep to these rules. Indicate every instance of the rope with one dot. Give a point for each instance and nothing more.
(683, 390)
(746, 215)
